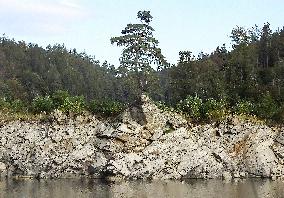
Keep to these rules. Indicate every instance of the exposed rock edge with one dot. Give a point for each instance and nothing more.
(142, 143)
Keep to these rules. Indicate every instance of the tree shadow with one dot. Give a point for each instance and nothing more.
(137, 113)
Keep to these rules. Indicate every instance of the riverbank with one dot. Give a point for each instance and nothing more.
(85, 188)
(141, 143)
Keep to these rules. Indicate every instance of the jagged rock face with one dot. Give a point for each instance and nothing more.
(48, 150)
(143, 142)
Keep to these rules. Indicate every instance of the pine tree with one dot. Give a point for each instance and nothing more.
(140, 51)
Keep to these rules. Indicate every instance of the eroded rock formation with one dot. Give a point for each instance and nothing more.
(143, 142)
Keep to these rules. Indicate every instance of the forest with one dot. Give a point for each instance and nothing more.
(247, 79)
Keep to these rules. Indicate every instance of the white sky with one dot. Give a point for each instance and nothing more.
(88, 25)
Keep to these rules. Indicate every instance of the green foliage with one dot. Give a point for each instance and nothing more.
(164, 107)
(214, 110)
(279, 115)
(17, 106)
(140, 51)
(4, 104)
(13, 105)
(199, 110)
(266, 107)
(254, 66)
(106, 108)
(73, 105)
(42, 104)
(64, 102)
(28, 70)
(58, 98)
(191, 106)
(244, 107)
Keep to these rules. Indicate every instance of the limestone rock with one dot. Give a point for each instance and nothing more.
(144, 142)
(280, 138)
(227, 176)
(3, 170)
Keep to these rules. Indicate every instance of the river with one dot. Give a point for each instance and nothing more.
(86, 188)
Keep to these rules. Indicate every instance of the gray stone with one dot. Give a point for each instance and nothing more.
(100, 161)
(144, 142)
(157, 134)
(2, 167)
(243, 174)
(227, 176)
(280, 138)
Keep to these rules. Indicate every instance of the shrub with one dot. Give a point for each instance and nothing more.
(213, 109)
(266, 107)
(4, 104)
(106, 108)
(279, 115)
(244, 107)
(75, 104)
(164, 107)
(191, 106)
(59, 97)
(17, 106)
(42, 104)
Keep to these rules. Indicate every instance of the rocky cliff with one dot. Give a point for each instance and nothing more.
(141, 143)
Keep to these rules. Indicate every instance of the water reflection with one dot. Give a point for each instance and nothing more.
(84, 188)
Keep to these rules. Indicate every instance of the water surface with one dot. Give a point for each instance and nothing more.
(84, 188)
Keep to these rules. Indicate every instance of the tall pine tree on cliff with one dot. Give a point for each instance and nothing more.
(141, 52)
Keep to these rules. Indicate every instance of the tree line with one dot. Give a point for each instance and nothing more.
(249, 76)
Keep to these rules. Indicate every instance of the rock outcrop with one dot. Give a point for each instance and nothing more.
(142, 143)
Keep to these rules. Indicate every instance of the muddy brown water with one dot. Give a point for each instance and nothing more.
(83, 188)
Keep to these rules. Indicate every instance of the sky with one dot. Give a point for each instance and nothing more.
(88, 25)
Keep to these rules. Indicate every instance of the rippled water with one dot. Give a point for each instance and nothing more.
(83, 188)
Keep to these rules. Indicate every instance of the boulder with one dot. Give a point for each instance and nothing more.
(3, 170)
